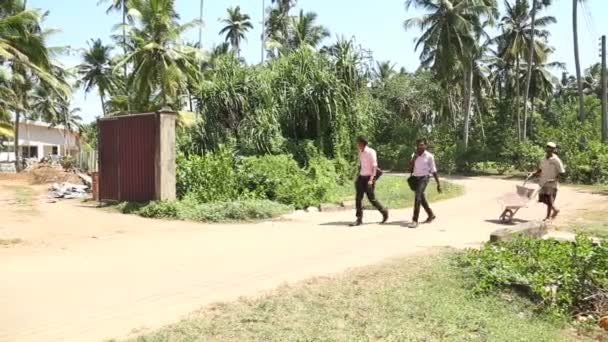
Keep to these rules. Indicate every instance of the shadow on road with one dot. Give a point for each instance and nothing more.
(512, 223)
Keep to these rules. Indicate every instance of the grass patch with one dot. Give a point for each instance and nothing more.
(188, 209)
(394, 192)
(23, 197)
(592, 220)
(423, 298)
(597, 228)
(9, 242)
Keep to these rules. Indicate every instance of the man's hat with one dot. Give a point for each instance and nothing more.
(551, 144)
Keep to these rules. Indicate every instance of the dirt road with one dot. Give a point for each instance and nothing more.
(84, 274)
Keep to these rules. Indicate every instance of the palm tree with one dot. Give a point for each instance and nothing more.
(305, 33)
(514, 41)
(577, 61)
(536, 6)
(8, 102)
(162, 65)
(384, 71)
(95, 71)
(71, 122)
(449, 39)
(276, 26)
(123, 7)
(348, 62)
(237, 24)
(24, 51)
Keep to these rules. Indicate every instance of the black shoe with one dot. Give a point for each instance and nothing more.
(384, 216)
(430, 219)
(356, 223)
(413, 225)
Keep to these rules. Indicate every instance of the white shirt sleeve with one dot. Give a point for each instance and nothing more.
(560, 166)
(374, 158)
(432, 166)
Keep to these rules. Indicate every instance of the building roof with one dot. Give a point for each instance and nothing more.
(41, 124)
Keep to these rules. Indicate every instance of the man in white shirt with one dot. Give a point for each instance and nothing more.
(422, 166)
(550, 169)
(365, 183)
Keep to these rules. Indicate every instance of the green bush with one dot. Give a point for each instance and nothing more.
(279, 178)
(562, 277)
(165, 210)
(524, 156)
(222, 177)
(208, 178)
(67, 162)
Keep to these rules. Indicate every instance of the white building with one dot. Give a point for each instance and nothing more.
(38, 140)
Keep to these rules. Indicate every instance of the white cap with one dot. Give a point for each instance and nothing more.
(551, 144)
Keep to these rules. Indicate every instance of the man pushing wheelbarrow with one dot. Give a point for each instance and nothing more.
(550, 169)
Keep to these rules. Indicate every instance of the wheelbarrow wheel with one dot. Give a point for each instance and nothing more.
(507, 216)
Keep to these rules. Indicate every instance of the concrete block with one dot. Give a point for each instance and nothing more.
(533, 229)
(165, 156)
(348, 204)
(330, 207)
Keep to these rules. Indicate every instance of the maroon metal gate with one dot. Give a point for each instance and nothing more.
(127, 146)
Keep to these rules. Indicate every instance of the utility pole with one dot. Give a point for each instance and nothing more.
(263, 28)
(200, 28)
(604, 94)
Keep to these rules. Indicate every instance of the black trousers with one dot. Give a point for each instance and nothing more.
(420, 200)
(363, 188)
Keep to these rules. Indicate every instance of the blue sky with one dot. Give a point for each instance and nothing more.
(376, 25)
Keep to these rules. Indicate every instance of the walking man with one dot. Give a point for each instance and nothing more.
(365, 183)
(422, 166)
(550, 170)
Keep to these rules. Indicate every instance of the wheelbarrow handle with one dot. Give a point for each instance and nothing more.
(528, 177)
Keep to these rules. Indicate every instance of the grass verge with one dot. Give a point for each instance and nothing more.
(247, 210)
(23, 198)
(9, 242)
(394, 192)
(422, 298)
(592, 220)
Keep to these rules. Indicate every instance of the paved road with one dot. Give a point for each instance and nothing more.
(87, 275)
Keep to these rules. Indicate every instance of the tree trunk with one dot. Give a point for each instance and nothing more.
(16, 141)
(124, 35)
(529, 71)
(517, 109)
(483, 131)
(577, 62)
(103, 104)
(124, 48)
(66, 144)
(467, 102)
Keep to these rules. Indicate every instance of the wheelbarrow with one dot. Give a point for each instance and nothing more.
(512, 202)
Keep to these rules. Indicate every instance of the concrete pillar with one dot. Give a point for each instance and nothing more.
(165, 155)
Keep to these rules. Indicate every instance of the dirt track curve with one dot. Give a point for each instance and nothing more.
(85, 274)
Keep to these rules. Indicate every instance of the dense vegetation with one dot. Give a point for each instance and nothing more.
(563, 278)
(485, 102)
(421, 298)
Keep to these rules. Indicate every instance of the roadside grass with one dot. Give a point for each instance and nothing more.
(23, 198)
(9, 242)
(591, 221)
(420, 298)
(394, 192)
(190, 210)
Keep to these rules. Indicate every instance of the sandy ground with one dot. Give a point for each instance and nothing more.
(85, 274)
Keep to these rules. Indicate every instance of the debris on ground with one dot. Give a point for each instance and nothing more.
(45, 173)
(68, 191)
(86, 179)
